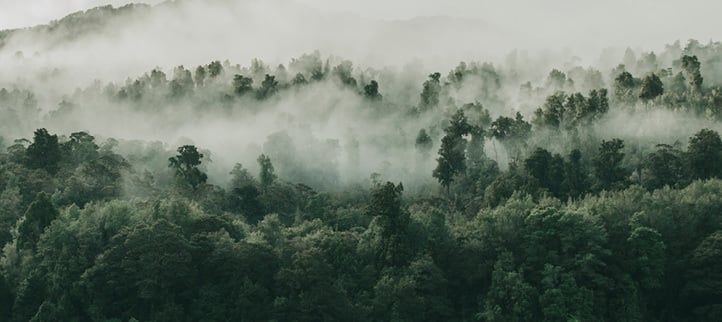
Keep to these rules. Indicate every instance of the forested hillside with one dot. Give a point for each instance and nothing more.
(323, 190)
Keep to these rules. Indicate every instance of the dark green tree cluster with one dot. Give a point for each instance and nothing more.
(562, 111)
(546, 245)
(562, 224)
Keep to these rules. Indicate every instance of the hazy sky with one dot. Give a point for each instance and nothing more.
(23, 13)
(639, 22)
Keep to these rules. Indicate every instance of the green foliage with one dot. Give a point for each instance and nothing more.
(626, 87)
(509, 298)
(646, 256)
(269, 87)
(452, 153)
(44, 152)
(512, 132)
(423, 142)
(371, 91)
(665, 167)
(547, 169)
(268, 174)
(691, 66)
(704, 155)
(38, 216)
(100, 232)
(607, 165)
(185, 165)
(242, 85)
(431, 92)
(576, 181)
(651, 87)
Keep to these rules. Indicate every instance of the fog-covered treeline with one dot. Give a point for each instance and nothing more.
(528, 189)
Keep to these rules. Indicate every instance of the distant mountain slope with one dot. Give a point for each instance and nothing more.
(110, 43)
(78, 24)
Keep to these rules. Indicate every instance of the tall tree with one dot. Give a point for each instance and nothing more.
(452, 153)
(705, 155)
(652, 87)
(268, 174)
(269, 87)
(430, 92)
(38, 216)
(186, 165)
(44, 152)
(242, 85)
(691, 65)
(625, 87)
(510, 298)
(607, 165)
(664, 167)
(575, 182)
(371, 91)
(547, 169)
(424, 143)
(215, 69)
(386, 207)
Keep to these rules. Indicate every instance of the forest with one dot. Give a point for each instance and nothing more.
(324, 190)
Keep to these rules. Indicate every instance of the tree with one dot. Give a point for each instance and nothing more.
(424, 143)
(240, 177)
(269, 86)
(625, 87)
(242, 85)
(652, 87)
(548, 169)
(512, 132)
(664, 167)
(393, 220)
(371, 91)
(430, 92)
(692, 66)
(552, 114)
(575, 182)
(312, 289)
(182, 83)
(704, 155)
(44, 152)
(38, 216)
(561, 299)
(452, 153)
(215, 69)
(200, 76)
(267, 174)
(186, 165)
(510, 298)
(81, 148)
(607, 165)
(646, 257)
(702, 290)
(556, 80)
(144, 272)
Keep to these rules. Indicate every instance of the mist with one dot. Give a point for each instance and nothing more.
(337, 160)
(71, 70)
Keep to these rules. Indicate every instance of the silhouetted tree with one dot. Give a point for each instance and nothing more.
(607, 165)
(186, 165)
(430, 92)
(652, 87)
(268, 174)
(705, 155)
(371, 91)
(44, 152)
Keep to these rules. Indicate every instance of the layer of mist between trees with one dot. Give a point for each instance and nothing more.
(351, 122)
(523, 195)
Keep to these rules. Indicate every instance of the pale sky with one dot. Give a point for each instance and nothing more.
(644, 22)
(24, 13)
